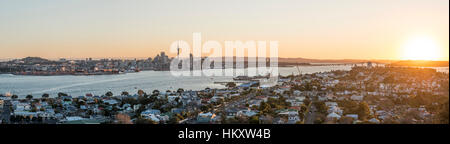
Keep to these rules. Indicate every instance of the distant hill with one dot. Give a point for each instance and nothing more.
(421, 63)
(34, 60)
(341, 61)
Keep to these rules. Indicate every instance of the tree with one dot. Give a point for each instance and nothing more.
(204, 108)
(321, 107)
(231, 121)
(45, 95)
(254, 120)
(443, 113)
(14, 96)
(155, 92)
(306, 101)
(144, 121)
(231, 85)
(60, 94)
(180, 90)
(125, 93)
(363, 111)
(141, 93)
(29, 97)
(346, 120)
(265, 108)
(144, 101)
(109, 94)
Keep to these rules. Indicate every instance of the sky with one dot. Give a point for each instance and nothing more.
(320, 29)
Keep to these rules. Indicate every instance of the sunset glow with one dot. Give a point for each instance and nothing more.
(421, 48)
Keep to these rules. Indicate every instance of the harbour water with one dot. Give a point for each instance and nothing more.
(130, 82)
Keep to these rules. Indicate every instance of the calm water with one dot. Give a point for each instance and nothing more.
(130, 82)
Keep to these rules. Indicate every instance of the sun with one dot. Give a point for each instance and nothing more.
(420, 48)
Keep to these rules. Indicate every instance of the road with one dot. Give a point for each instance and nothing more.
(311, 115)
(239, 101)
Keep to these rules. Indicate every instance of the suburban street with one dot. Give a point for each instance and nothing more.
(311, 115)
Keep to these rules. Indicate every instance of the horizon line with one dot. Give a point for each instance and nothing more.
(140, 58)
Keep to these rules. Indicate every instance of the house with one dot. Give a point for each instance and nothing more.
(177, 110)
(254, 103)
(136, 107)
(354, 116)
(331, 96)
(162, 118)
(205, 117)
(322, 98)
(329, 104)
(297, 93)
(335, 109)
(286, 111)
(279, 120)
(73, 118)
(265, 119)
(300, 98)
(275, 97)
(334, 116)
(263, 98)
(25, 114)
(151, 111)
(357, 98)
(216, 98)
(151, 117)
(296, 103)
(247, 113)
(374, 120)
(83, 107)
(110, 102)
(290, 100)
(231, 113)
(172, 98)
(293, 117)
(21, 106)
(216, 119)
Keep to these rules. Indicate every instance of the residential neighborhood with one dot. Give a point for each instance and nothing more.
(363, 95)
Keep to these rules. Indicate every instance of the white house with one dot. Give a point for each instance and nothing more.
(293, 117)
(333, 116)
(357, 98)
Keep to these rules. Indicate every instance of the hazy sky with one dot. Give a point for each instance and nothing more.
(324, 29)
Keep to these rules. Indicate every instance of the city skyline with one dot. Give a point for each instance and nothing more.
(138, 29)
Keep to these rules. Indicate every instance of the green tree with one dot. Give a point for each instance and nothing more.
(29, 97)
(254, 120)
(125, 93)
(265, 108)
(141, 93)
(321, 106)
(45, 95)
(144, 121)
(363, 111)
(443, 113)
(60, 94)
(109, 94)
(231, 85)
(155, 92)
(180, 90)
